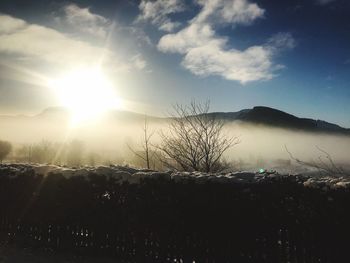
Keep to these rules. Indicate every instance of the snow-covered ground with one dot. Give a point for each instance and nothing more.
(308, 177)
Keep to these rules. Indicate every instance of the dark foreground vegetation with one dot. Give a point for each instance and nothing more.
(177, 217)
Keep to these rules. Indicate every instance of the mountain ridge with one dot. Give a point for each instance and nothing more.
(277, 118)
(261, 115)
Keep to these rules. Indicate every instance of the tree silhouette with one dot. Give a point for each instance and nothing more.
(5, 149)
(147, 154)
(195, 139)
(325, 163)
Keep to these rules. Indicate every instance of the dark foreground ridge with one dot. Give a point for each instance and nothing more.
(146, 216)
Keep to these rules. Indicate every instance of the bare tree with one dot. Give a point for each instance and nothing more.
(147, 154)
(325, 163)
(5, 149)
(195, 139)
(42, 152)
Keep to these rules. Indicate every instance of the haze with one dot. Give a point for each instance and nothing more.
(260, 146)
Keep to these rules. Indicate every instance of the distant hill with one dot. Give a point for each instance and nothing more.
(258, 115)
(276, 118)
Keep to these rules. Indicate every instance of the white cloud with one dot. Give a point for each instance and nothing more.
(169, 26)
(138, 61)
(206, 53)
(31, 40)
(281, 41)
(157, 13)
(8, 24)
(324, 2)
(137, 33)
(229, 11)
(33, 43)
(193, 36)
(252, 64)
(84, 20)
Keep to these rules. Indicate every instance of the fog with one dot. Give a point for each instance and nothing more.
(259, 146)
(269, 143)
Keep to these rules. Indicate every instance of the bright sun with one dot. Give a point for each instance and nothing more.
(87, 93)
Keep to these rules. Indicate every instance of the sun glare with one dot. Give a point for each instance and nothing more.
(87, 93)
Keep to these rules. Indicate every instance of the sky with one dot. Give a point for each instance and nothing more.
(291, 55)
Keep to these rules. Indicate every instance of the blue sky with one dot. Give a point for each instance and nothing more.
(290, 55)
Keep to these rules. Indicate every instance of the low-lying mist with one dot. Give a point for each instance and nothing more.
(260, 146)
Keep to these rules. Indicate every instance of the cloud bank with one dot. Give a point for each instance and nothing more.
(33, 43)
(206, 53)
(27, 40)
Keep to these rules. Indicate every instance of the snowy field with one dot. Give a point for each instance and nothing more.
(309, 177)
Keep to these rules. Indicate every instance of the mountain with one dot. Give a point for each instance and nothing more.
(61, 113)
(258, 115)
(276, 118)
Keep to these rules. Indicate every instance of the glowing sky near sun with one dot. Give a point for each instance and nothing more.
(86, 92)
(291, 55)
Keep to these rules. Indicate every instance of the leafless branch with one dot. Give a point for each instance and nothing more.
(195, 139)
(145, 144)
(328, 167)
